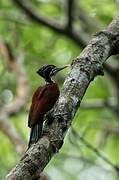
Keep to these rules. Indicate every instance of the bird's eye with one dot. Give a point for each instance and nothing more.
(52, 72)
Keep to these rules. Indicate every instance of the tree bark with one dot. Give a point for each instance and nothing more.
(83, 70)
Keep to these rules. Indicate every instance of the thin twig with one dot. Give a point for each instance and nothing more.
(54, 25)
(95, 150)
(70, 14)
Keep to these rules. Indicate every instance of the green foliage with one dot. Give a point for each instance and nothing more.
(42, 46)
(8, 156)
(103, 10)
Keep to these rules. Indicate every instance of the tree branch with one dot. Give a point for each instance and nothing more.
(70, 14)
(31, 13)
(11, 133)
(52, 24)
(94, 149)
(83, 70)
(90, 24)
(15, 65)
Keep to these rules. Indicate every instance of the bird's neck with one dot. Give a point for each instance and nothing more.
(49, 80)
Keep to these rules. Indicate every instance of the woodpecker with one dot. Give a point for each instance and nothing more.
(43, 100)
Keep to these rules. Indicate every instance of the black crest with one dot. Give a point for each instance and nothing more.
(47, 71)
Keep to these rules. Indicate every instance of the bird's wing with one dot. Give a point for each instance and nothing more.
(43, 100)
(35, 103)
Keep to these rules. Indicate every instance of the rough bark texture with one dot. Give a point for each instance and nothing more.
(83, 70)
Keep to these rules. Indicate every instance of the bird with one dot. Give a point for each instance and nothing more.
(43, 101)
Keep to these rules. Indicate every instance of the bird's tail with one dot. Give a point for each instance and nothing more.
(35, 133)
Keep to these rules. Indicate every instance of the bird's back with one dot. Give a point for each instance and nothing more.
(43, 100)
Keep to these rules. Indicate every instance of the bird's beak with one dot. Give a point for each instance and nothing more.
(56, 70)
(59, 69)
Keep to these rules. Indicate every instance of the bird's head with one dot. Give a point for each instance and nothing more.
(47, 71)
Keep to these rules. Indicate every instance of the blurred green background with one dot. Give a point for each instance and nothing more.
(36, 45)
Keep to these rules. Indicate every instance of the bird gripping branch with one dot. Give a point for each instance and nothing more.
(43, 100)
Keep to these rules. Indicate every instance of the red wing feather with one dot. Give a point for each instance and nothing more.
(43, 100)
(35, 103)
